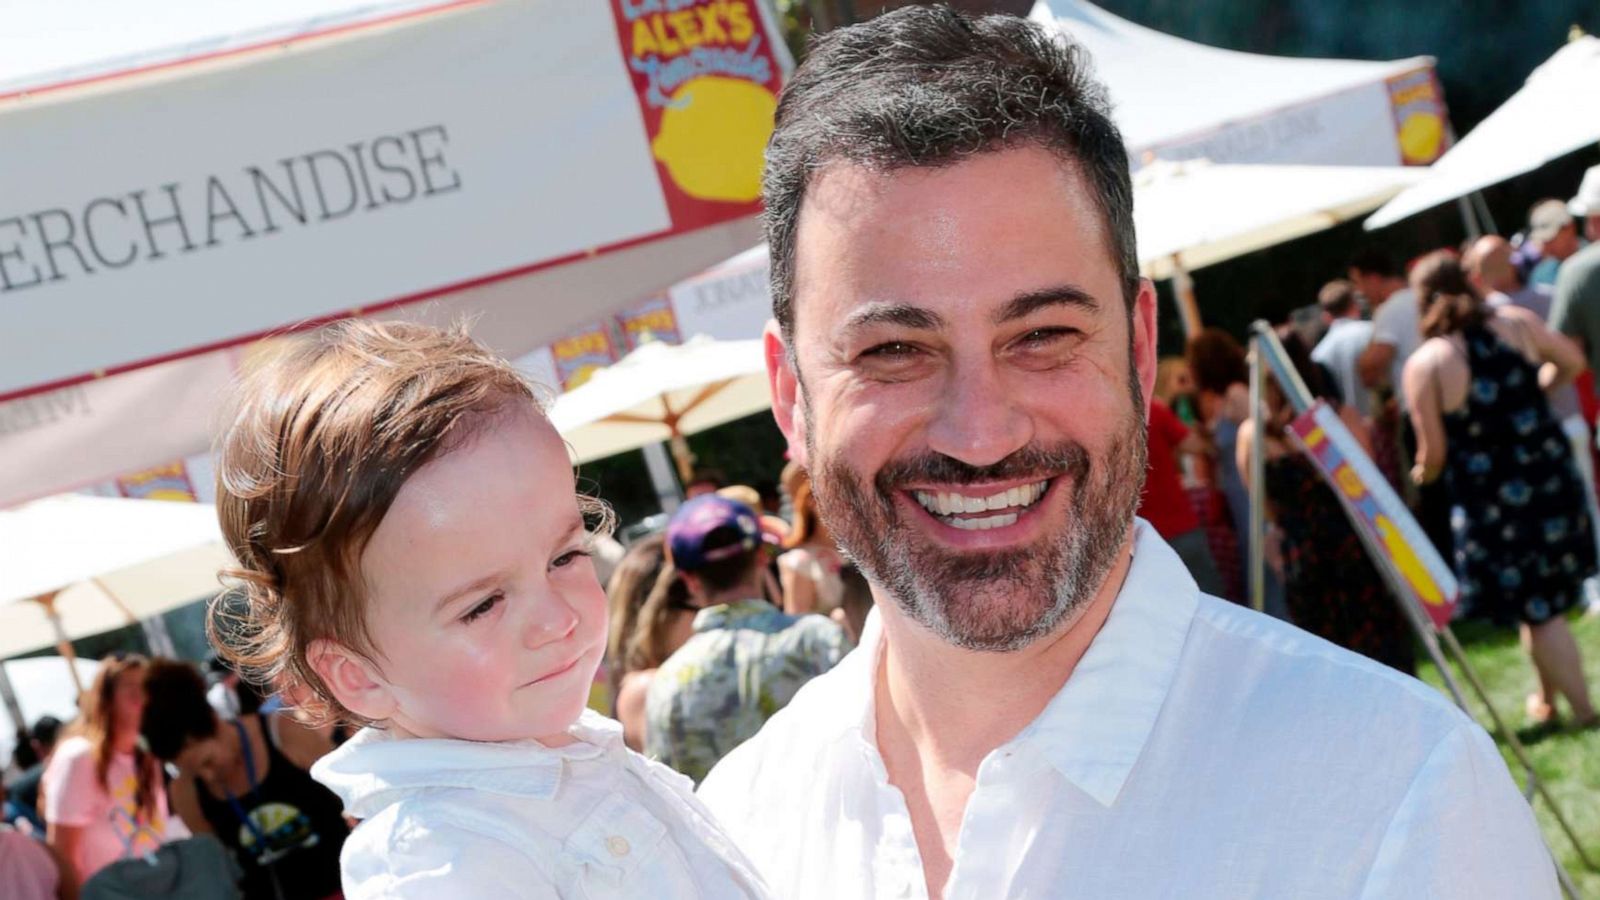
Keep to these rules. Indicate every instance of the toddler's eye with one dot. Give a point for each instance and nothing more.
(568, 558)
(482, 609)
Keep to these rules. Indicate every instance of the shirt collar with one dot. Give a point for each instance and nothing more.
(1094, 729)
(375, 769)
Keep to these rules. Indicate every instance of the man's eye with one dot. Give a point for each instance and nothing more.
(482, 609)
(890, 350)
(1041, 336)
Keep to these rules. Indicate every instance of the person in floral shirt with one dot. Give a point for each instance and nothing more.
(746, 658)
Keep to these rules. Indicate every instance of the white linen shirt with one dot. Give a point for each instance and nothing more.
(1338, 351)
(448, 819)
(1199, 750)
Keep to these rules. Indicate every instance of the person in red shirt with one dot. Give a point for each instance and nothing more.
(1165, 504)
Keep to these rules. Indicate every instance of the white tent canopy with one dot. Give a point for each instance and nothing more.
(47, 42)
(1178, 99)
(660, 392)
(1556, 112)
(100, 564)
(1193, 214)
(228, 170)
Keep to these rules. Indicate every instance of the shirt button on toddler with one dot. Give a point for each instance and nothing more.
(618, 845)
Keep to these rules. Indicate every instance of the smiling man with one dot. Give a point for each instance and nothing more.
(1044, 705)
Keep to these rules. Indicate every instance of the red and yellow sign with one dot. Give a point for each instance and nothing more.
(1378, 511)
(707, 78)
(1420, 119)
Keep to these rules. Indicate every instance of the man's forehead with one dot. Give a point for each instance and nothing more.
(987, 228)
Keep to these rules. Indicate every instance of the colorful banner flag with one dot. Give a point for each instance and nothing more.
(1378, 510)
(1421, 121)
(169, 482)
(580, 355)
(652, 320)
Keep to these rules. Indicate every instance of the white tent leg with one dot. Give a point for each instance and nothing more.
(659, 463)
(9, 695)
(158, 637)
(1468, 218)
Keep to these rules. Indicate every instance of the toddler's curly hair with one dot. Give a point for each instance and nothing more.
(325, 434)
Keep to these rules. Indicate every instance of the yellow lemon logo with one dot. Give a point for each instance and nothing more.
(1421, 136)
(712, 136)
(1411, 568)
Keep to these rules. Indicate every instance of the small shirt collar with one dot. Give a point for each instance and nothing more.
(1094, 729)
(727, 615)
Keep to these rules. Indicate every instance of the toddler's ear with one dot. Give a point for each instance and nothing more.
(354, 681)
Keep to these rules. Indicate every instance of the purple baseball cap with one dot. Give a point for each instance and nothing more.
(703, 517)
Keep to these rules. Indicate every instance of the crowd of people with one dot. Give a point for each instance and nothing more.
(161, 752)
(1464, 376)
(1050, 692)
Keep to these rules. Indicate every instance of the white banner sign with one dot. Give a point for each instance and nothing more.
(163, 213)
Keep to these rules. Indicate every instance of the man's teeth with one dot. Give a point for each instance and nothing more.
(950, 503)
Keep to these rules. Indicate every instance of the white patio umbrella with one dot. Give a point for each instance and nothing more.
(1556, 112)
(73, 566)
(1196, 213)
(663, 392)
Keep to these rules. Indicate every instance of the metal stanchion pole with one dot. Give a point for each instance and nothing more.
(1258, 487)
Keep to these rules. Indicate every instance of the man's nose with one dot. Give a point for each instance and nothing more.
(979, 420)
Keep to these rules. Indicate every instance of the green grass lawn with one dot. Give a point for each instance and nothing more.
(1568, 761)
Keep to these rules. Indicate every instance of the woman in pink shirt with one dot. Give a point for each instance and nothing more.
(104, 799)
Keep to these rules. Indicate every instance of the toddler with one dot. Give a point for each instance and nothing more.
(414, 559)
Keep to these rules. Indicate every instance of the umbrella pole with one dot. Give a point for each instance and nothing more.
(63, 643)
(681, 455)
(1183, 291)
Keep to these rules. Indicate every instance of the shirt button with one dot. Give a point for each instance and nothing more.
(618, 845)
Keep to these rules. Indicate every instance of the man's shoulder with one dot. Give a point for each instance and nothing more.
(1581, 271)
(1342, 337)
(1316, 679)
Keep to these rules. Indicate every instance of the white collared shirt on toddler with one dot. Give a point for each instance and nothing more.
(448, 818)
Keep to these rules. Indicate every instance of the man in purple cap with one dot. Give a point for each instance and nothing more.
(746, 658)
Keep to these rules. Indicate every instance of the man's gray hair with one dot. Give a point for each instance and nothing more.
(930, 86)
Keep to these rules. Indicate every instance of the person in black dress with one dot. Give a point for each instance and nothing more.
(245, 781)
(1523, 539)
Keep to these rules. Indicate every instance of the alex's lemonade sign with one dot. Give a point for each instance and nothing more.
(707, 77)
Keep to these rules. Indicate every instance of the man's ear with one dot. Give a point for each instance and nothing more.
(353, 680)
(1144, 341)
(784, 382)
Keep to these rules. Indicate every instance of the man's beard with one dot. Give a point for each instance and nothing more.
(994, 600)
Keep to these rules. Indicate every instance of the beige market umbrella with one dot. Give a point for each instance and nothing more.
(73, 566)
(1195, 213)
(663, 392)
